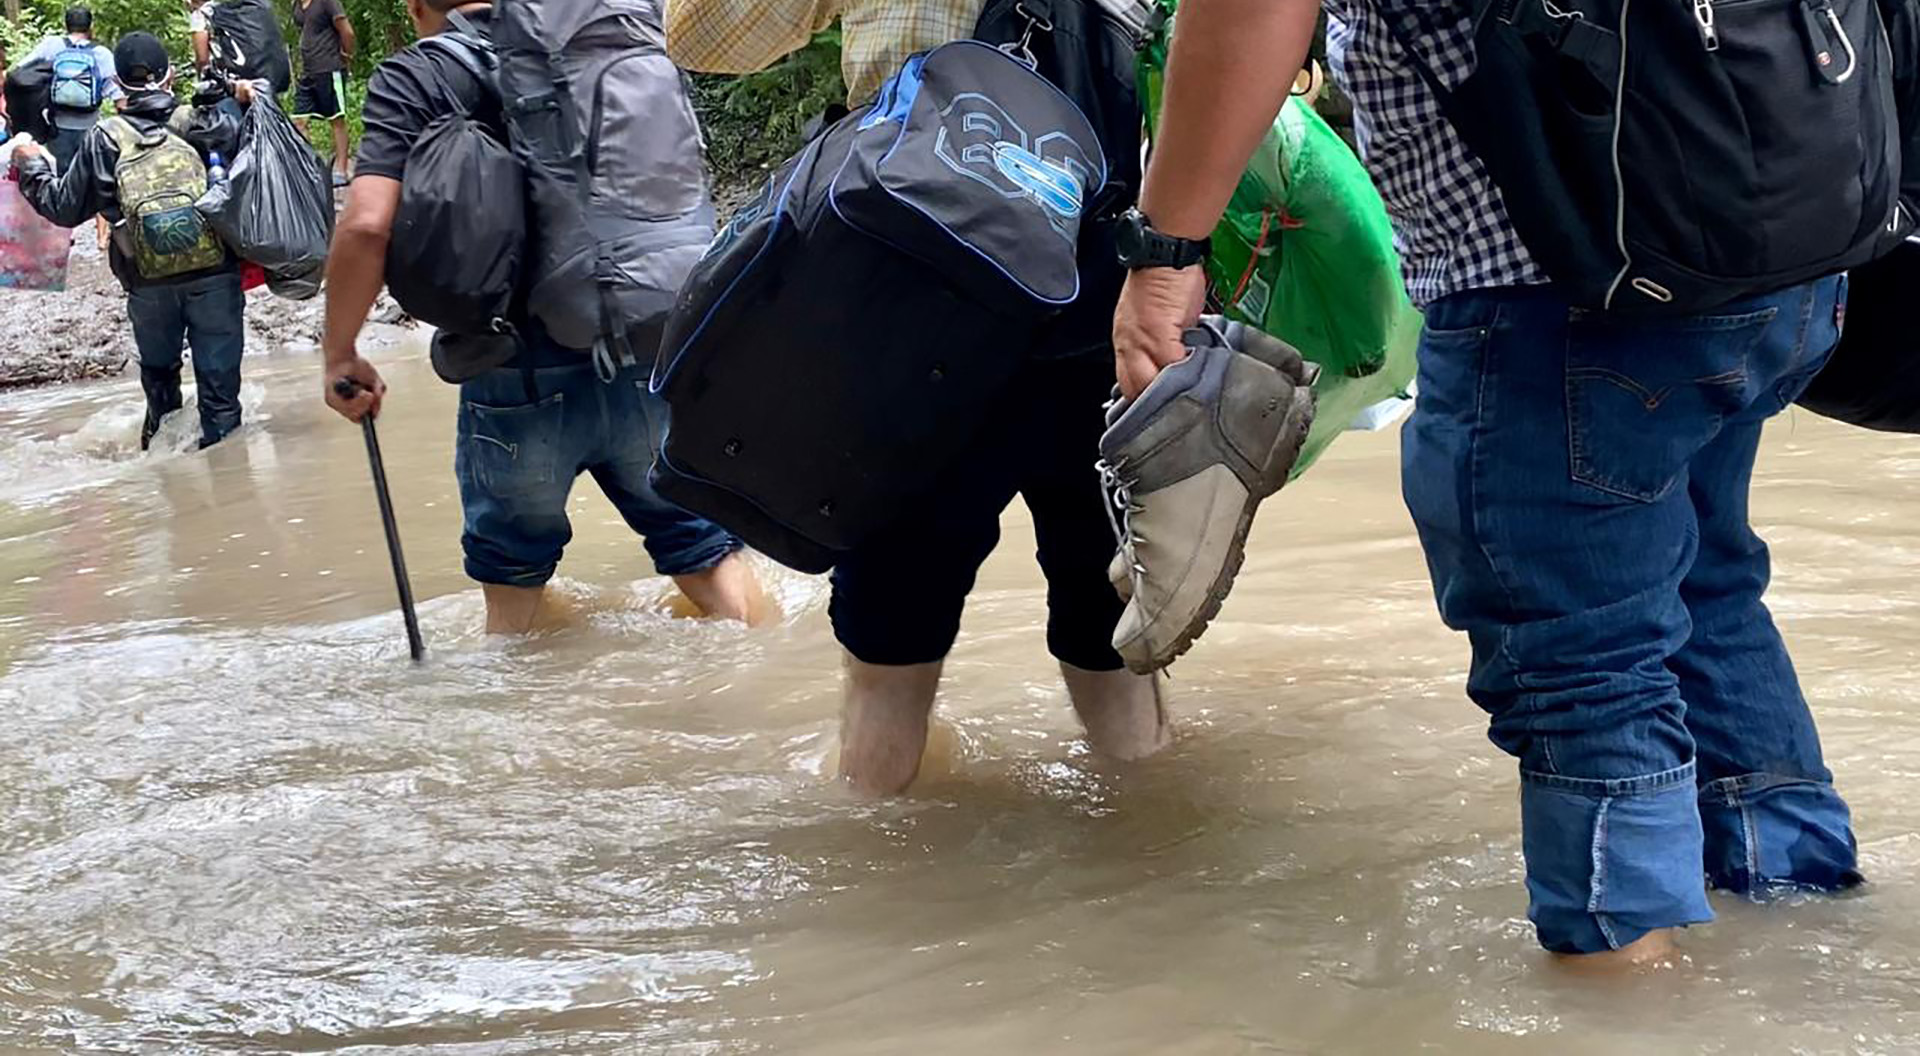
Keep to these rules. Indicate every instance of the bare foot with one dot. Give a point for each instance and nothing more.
(1651, 950)
(730, 591)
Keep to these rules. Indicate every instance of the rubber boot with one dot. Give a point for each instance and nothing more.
(883, 724)
(1125, 714)
(162, 386)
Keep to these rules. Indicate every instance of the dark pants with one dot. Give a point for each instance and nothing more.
(209, 313)
(66, 144)
(898, 599)
(1580, 485)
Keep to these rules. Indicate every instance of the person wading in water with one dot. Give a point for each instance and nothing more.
(897, 600)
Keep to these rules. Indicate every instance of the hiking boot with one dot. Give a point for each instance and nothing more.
(1185, 466)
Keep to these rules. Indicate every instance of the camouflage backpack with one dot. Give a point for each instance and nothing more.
(160, 176)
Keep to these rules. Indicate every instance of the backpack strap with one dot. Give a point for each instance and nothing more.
(467, 47)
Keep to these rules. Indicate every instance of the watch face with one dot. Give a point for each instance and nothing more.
(1129, 238)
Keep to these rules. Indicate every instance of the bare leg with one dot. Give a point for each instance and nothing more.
(883, 725)
(342, 158)
(729, 591)
(511, 610)
(1125, 717)
(300, 126)
(1649, 951)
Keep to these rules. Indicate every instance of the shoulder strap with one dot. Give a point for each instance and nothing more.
(464, 45)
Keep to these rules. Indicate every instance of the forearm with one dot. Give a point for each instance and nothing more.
(707, 35)
(202, 51)
(356, 270)
(1232, 66)
(347, 42)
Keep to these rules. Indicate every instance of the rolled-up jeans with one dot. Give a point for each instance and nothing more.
(1580, 484)
(524, 436)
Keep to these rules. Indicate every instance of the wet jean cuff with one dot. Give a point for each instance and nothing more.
(703, 557)
(1772, 834)
(1610, 860)
(529, 577)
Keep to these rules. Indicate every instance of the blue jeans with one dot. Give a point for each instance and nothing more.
(210, 315)
(524, 435)
(1580, 487)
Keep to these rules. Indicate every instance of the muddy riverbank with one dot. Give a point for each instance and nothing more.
(81, 333)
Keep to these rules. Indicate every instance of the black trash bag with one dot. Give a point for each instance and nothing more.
(276, 206)
(297, 284)
(29, 92)
(245, 39)
(1873, 379)
(215, 127)
(460, 231)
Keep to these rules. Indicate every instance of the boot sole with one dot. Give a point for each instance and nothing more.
(1295, 442)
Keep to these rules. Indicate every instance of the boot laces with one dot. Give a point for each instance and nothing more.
(1121, 508)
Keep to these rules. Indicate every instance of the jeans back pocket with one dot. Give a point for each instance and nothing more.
(511, 450)
(1645, 396)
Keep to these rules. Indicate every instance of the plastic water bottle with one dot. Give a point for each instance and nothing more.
(216, 169)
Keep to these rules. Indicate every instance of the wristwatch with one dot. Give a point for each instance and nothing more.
(1142, 247)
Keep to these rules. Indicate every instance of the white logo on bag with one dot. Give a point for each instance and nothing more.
(987, 145)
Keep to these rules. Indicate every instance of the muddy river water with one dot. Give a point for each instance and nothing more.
(233, 818)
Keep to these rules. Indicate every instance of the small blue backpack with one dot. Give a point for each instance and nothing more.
(76, 80)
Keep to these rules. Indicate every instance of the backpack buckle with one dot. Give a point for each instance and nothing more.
(1022, 50)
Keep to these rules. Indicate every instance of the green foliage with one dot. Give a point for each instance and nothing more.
(751, 122)
(381, 26)
(19, 38)
(756, 121)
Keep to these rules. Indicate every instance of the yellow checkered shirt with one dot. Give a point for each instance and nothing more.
(741, 36)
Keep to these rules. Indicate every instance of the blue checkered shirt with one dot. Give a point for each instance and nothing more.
(1449, 223)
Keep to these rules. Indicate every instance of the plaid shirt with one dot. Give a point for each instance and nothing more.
(1449, 222)
(741, 36)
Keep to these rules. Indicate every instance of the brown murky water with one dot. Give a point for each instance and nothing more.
(236, 820)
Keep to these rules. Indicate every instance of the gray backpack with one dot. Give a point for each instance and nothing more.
(617, 185)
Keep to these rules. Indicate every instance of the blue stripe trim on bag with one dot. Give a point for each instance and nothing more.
(660, 376)
(896, 99)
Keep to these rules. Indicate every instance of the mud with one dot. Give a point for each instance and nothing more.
(82, 333)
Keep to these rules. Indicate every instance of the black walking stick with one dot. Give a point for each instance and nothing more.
(346, 389)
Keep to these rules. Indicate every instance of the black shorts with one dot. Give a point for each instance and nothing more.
(898, 598)
(321, 95)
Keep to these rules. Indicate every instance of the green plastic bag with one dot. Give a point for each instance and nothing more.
(1305, 253)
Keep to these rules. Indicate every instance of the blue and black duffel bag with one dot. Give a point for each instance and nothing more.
(841, 341)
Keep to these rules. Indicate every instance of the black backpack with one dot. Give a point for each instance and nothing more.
(845, 336)
(1903, 33)
(29, 88)
(244, 37)
(1090, 52)
(460, 231)
(618, 202)
(1666, 157)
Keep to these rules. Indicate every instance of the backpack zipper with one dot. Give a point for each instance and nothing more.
(1619, 175)
(1703, 16)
